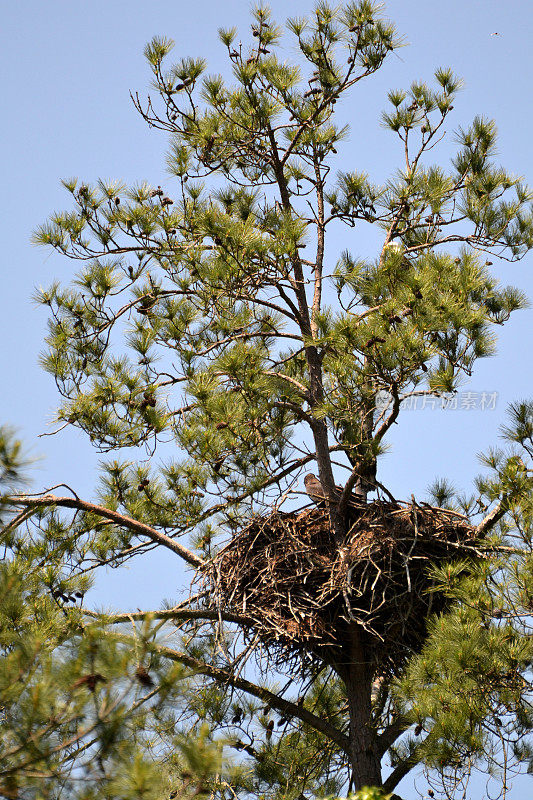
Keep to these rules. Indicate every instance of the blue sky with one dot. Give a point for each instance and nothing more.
(68, 69)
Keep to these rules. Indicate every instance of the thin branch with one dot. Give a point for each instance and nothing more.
(285, 707)
(20, 518)
(172, 613)
(347, 491)
(119, 519)
(303, 389)
(391, 419)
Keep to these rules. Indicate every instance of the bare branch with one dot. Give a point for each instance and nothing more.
(493, 517)
(285, 707)
(398, 726)
(172, 613)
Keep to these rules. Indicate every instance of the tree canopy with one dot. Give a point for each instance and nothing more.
(213, 326)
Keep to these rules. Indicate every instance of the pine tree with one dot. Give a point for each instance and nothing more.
(211, 317)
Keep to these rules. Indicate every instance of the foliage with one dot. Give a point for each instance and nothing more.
(217, 328)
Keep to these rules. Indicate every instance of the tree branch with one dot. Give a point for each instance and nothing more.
(285, 707)
(492, 518)
(119, 519)
(406, 765)
(400, 772)
(173, 613)
(391, 733)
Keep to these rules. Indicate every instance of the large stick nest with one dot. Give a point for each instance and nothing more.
(303, 590)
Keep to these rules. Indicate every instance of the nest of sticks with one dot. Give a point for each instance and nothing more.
(303, 590)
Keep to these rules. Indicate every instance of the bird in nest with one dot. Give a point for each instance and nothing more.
(314, 489)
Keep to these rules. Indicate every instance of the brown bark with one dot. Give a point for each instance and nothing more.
(357, 675)
(139, 528)
(306, 320)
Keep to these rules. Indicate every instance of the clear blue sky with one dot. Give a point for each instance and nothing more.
(68, 68)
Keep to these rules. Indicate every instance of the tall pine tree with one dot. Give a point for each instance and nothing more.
(322, 648)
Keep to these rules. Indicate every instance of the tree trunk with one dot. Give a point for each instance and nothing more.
(357, 675)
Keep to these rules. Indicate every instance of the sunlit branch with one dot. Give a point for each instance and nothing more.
(139, 528)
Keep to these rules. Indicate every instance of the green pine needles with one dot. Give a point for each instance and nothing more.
(212, 324)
